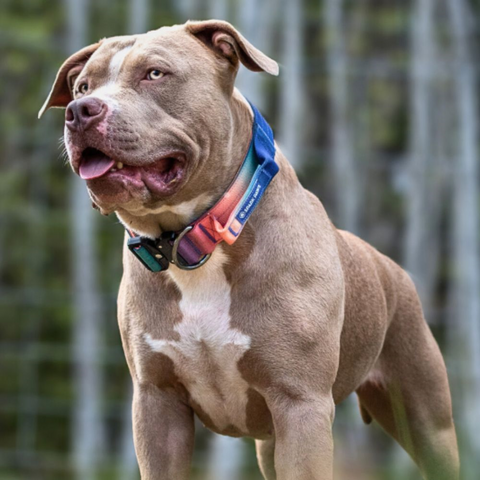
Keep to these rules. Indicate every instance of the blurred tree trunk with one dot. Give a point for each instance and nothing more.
(88, 435)
(189, 9)
(226, 456)
(248, 17)
(466, 282)
(255, 20)
(28, 370)
(218, 9)
(344, 169)
(291, 82)
(128, 460)
(425, 173)
(138, 16)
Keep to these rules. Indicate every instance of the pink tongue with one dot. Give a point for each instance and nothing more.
(95, 166)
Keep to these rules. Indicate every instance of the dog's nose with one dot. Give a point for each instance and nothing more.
(84, 113)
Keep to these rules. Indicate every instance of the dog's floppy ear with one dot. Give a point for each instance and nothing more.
(228, 42)
(61, 93)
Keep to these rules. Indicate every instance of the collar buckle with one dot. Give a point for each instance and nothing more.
(147, 251)
(156, 255)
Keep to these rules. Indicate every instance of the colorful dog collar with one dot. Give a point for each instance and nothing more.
(191, 248)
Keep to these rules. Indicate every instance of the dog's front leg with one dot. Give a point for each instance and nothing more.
(303, 438)
(163, 430)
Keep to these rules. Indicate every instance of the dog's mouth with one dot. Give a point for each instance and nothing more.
(94, 164)
(161, 175)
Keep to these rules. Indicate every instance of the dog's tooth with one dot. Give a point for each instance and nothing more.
(119, 165)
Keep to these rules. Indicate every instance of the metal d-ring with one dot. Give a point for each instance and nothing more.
(175, 261)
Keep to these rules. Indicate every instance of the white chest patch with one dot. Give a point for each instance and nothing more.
(207, 352)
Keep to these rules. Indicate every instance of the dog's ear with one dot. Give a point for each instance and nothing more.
(61, 93)
(229, 43)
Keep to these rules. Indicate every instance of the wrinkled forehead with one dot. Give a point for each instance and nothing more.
(166, 47)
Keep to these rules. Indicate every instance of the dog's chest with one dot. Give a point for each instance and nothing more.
(207, 348)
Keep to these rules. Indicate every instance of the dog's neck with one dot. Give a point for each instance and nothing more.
(227, 159)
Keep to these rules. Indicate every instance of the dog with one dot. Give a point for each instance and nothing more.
(276, 320)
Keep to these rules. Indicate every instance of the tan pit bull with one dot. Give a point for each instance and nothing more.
(273, 331)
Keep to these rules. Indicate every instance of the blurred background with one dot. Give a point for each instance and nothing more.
(377, 108)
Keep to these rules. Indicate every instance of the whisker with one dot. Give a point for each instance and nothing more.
(64, 152)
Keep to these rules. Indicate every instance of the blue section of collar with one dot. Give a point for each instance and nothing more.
(263, 149)
(264, 143)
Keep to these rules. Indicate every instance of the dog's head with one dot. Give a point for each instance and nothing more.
(148, 117)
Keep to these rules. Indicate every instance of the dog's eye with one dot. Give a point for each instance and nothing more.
(154, 74)
(83, 88)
